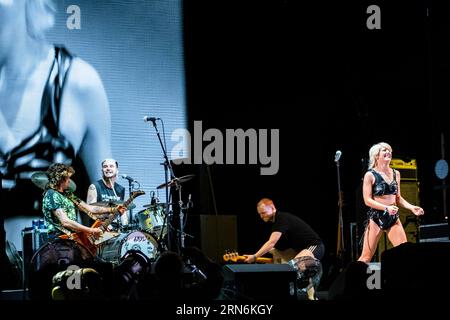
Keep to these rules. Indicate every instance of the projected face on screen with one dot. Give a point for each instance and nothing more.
(78, 89)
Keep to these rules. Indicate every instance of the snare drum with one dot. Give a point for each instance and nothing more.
(115, 249)
(152, 220)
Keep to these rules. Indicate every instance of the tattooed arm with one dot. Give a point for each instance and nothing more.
(73, 225)
(96, 210)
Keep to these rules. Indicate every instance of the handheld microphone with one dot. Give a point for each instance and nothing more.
(127, 177)
(152, 119)
(337, 155)
(153, 200)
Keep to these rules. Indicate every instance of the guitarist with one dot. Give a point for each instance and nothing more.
(59, 210)
(291, 238)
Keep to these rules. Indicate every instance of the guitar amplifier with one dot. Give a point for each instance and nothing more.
(438, 232)
(33, 239)
(260, 282)
(408, 170)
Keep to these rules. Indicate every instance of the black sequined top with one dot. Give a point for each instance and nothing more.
(381, 187)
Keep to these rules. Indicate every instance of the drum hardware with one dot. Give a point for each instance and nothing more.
(167, 169)
(131, 187)
(159, 204)
(112, 203)
(176, 183)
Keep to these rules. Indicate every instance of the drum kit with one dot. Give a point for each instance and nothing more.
(145, 232)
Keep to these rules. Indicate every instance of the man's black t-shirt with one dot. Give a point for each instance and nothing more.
(107, 194)
(296, 233)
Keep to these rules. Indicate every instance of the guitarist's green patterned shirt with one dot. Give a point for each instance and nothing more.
(54, 200)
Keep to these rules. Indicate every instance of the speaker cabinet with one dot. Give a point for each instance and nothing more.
(416, 270)
(438, 232)
(260, 282)
(213, 234)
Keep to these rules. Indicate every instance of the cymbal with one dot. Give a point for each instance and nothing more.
(174, 182)
(40, 180)
(160, 204)
(112, 204)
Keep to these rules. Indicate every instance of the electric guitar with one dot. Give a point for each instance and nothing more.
(235, 257)
(283, 256)
(88, 240)
(278, 256)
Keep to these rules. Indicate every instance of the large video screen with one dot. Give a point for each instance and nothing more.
(134, 49)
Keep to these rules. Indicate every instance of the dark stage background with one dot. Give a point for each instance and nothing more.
(316, 72)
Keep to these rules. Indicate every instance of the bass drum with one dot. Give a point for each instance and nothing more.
(51, 258)
(115, 249)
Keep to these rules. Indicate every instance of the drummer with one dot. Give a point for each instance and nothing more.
(107, 190)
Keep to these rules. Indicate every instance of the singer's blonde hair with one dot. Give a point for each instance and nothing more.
(40, 16)
(375, 151)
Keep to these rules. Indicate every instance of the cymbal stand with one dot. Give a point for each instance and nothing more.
(183, 211)
(131, 188)
(167, 169)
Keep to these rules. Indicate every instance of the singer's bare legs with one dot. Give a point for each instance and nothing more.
(382, 193)
(371, 237)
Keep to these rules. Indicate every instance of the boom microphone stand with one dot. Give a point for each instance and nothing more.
(340, 244)
(167, 168)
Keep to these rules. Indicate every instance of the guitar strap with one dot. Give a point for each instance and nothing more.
(65, 231)
(77, 202)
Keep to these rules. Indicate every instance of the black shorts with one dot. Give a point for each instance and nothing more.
(382, 218)
(317, 249)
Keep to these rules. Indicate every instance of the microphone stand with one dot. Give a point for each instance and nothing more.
(181, 215)
(167, 168)
(340, 245)
(130, 219)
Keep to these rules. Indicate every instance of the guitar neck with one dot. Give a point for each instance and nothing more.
(258, 260)
(116, 213)
(264, 260)
(108, 221)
